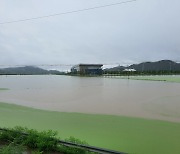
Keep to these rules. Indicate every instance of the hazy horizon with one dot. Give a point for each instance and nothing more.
(67, 67)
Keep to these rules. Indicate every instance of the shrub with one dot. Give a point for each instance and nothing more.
(12, 149)
(45, 141)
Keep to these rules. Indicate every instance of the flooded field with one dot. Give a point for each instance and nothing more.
(134, 98)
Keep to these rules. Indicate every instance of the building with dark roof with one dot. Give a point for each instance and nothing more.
(87, 69)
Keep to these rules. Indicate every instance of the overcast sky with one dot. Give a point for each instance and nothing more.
(145, 30)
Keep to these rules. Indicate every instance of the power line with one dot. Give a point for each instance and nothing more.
(69, 12)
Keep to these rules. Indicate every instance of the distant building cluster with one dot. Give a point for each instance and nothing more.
(87, 69)
(129, 70)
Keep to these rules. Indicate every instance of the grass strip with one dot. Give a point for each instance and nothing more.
(175, 79)
(4, 89)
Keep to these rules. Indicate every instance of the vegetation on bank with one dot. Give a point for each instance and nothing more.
(158, 78)
(166, 78)
(4, 89)
(145, 75)
(19, 139)
(131, 135)
(142, 73)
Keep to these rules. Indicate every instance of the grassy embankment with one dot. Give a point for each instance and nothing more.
(21, 140)
(4, 89)
(159, 78)
(132, 135)
(153, 78)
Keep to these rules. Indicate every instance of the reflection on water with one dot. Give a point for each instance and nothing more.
(148, 99)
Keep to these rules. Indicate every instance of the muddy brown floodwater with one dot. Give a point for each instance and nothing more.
(135, 98)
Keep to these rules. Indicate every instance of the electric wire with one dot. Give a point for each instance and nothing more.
(65, 13)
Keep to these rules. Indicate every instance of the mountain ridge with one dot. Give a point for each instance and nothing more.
(27, 70)
(162, 65)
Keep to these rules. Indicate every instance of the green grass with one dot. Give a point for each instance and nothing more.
(37, 142)
(159, 78)
(4, 89)
(167, 78)
(132, 135)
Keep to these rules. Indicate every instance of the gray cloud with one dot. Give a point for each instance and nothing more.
(134, 32)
